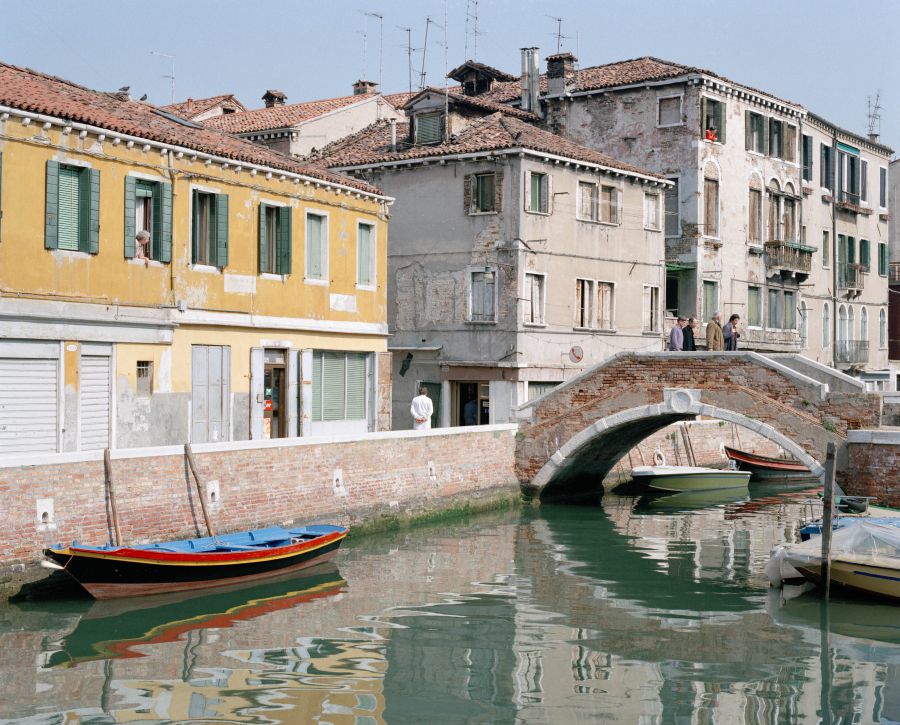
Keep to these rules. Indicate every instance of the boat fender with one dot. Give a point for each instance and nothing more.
(47, 564)
(659, 459)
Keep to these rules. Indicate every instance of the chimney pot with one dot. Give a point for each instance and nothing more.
(560, 73)
(363, 87)
(274, 98)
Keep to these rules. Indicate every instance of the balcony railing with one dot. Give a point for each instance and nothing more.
(850, 276)
(789, 256)
(851, 351)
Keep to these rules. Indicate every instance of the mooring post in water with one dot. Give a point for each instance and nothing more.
(201, 489)
(828, 518)
(107, 465)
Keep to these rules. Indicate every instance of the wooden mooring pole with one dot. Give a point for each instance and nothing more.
(201, 489)
(828, 518)
(107, 465)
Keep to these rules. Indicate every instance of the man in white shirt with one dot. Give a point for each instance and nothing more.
(421, 410)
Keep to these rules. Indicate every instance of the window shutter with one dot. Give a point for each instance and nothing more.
(284, 241)
(317, 385)
(548, 190)
(468, 193)
(263, 247)
(333, 384)
(490, 281)
(863, 180)
(51, 211)
(702, 116)
(617, 196)
(130, 231)
(93, 215)
(71, 208)
(314, 267)
(720, 120)
(477, 295)
(221, 230)
(528, 191)
(356, 386)
(498, 191)
(748, 131)
(364, 254)
(1, 196)
(165, 222)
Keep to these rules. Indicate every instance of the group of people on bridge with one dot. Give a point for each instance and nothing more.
(718, 337)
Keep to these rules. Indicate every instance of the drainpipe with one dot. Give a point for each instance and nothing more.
(171, 173)
(834, 251)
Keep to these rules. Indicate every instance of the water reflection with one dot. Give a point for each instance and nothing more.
(639, 610)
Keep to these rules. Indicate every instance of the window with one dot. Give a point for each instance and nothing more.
(144, 378)
(338, 385)
(882, 328)
(538, 388)
(826, 172)
(589, 201)
(651, 211)
(882, 259)
(773, 317)
(429, 128)
(713, 116)
(651, 309)
(754, 313)
(210, 228)
(274, 239)
(755, 132)
(863, 180)
(366, 255)
(864, 254)
(711, 207)
(790, 311)
(710, 299)
(807, 158)
(789, 218)
(774, 226)
(538, 193)
(848, 173)
(826, 326)
(754, 227)
(72, 213)
(605, 306)
(826, 248)
(533, 297)
(668, 111)
(882, 187)
(484, 199)
(776, 138)
(148, 208)
(864, 324)
(584, 303)
(482, 295)
(673, 217)
(609, 205)
(789, 145)
(316, 246)
(804, 324)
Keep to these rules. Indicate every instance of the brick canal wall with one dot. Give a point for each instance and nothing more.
(873, 465)
(63, 497)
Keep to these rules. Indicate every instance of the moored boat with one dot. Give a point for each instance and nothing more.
(689, 478)
(766, 466)
(108, 572)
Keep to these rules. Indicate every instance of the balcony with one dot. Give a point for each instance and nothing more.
(849, 201)
(851, 352)
(851, 277)
(789, 257)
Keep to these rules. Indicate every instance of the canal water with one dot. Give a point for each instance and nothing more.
(638, 610)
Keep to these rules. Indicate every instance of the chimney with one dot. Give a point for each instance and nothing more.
(531, 81)
(362, 88)
(393, 134)
(274, 98)
(874, 136)
(190, 104)
(560, 73)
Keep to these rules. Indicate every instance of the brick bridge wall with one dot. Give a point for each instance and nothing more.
(781, 404)
(258, 483)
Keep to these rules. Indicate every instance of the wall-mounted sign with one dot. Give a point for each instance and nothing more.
(576, 354)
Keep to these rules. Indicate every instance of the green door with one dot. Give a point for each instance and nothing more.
(434, 392)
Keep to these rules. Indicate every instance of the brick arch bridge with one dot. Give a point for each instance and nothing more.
(570, 438)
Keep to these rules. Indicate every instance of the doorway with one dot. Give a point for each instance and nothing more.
(274, 425)
(473, 403)
(434, 392)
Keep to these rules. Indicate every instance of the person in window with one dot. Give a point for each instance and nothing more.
(715, 339)
(689, 344)
(421, 410)
(676, 336)
(142, 246)
(730, 332)
(711, 134)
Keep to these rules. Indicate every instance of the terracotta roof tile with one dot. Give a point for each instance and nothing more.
(196, 106)
(478, 102)
(29, 90)
(495, 132)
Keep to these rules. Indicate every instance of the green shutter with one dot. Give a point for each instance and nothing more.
(93, 210)
(165, 222)
(333, 392)
(1, 196)
(364, 254)
(262, 246)
(314, 266)
(130, 231)
(284, 241)
(51, 211)
(70, 209)
(748, 131)
(864, 254)
(356, 386)
(703, 117)
(317, 385)
(721, 120)
(195, 223)
(221, 230)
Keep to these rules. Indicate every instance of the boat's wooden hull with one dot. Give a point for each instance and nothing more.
(858, 577)
(711, 481)
(136, 572)
(760, 465)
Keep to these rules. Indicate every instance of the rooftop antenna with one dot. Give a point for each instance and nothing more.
(409, 52)
(559, 35)
(380, 44)
(874, 127)
(446, 81)
(428, 22)
(472, 15)
(171, 77)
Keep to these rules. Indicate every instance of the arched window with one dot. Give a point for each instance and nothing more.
(774, 216)
(882, 328)
(826, 326)
(804, 325)
(863, 324)
(842, 324)
(851, 323)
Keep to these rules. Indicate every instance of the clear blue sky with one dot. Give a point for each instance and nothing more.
(828, 55)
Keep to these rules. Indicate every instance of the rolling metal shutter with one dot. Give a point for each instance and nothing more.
(94, 403)
(28, 405)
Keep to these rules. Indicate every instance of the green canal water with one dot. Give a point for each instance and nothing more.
(638, 610)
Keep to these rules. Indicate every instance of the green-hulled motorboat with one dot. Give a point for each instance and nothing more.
(690, 478)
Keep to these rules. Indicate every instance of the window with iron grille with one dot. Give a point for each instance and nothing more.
(144, 376)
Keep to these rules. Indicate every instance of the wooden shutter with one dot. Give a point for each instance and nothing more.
(364, 254)
(70, 209)
(51, 210)
(263, 237)
(617, 205)
(317, 357)
(703, 105)
(748, 131)
(165, 222)
(547, 188)
(468, 193)
(283, 241)
(93, 211)
(356, 386)
(863, 180)
(528, 191)
(720, 121)
(314, 265)
(477, 295)
(130, 231)
(1, 196)
(333, 386)
(221, 230)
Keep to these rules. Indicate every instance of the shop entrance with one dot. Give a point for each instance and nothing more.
(274, 409)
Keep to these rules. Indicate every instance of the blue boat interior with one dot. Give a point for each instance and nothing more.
(272, 537)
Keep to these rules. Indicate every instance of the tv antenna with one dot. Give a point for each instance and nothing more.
(472, 17)
(171, 77)
(559, 36)
(874, 125)
(428, 22)
(409, 53)
(380, 44)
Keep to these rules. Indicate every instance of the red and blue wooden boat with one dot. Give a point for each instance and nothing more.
(109, 572)
(762, 466)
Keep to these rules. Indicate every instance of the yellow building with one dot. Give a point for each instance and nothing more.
(161, 282)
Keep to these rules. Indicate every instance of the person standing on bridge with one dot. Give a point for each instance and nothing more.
(676, 336)
(730, 332)
(688, 332)
(715, 338)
